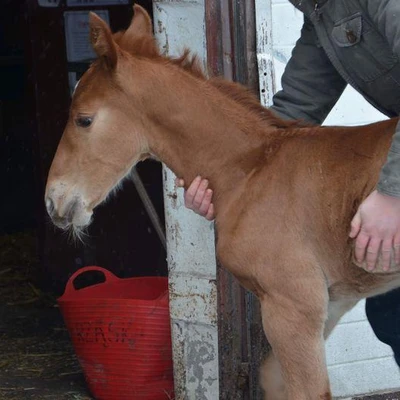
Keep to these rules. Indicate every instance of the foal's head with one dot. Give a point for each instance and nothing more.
(100, 145)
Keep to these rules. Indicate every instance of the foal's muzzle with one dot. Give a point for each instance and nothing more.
(67, 212)
(66, 219)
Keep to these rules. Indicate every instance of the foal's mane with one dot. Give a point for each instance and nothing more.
(146, 47)
(234, 91)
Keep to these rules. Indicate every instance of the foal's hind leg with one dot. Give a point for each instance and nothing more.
(271, 379)
(294, 318)
(271, 375)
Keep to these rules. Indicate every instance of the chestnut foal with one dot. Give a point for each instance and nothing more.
(284, 193)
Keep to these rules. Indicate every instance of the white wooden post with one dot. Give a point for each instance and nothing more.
(264, 46)
(190, 239)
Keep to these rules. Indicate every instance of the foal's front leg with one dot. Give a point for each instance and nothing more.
(294, 315)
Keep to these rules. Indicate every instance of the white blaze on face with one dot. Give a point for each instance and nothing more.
(76, 85)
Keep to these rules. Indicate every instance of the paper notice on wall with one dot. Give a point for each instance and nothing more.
(77, 39)
(49, 3)
(81, 3)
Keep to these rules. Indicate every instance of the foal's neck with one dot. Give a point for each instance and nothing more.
(200, 131)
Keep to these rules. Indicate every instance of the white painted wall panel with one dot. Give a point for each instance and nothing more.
(180, 24)
(286, 24)
(358, 362)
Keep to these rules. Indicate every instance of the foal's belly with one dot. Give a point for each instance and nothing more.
(360, 284)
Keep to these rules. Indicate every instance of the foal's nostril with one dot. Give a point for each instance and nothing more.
(66, 211)
(66, 216)
(49, 206)
(69, 214)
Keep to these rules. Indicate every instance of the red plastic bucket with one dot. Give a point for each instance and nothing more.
(121, 334)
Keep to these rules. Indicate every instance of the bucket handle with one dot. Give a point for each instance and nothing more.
(109, 277)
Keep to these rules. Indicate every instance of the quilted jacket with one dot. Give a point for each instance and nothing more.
(342, 42)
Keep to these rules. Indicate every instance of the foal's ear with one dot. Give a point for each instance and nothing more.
(102, 40)
(141, 24)
(138, 39)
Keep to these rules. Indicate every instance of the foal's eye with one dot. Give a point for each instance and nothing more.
(83, 122)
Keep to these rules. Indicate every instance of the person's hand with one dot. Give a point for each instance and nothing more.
(198, 197)
(376, 227)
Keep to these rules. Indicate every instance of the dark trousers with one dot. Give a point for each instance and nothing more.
(383, 314)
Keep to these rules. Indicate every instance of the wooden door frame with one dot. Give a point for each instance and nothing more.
(231, 53)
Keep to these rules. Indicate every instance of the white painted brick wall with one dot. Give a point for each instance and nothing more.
(358, 362)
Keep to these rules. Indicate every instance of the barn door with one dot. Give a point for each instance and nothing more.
(231, 52)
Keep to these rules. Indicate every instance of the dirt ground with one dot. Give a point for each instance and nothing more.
(37, 360)
(36, 356)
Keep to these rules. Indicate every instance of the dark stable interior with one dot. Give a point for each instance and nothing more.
(36, 260)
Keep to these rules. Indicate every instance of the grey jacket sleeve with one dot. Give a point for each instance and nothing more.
(386, 15)
(310, 84)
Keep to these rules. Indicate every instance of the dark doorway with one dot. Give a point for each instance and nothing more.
(36, 260)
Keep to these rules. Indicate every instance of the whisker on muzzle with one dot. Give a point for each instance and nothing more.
(77, 235)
